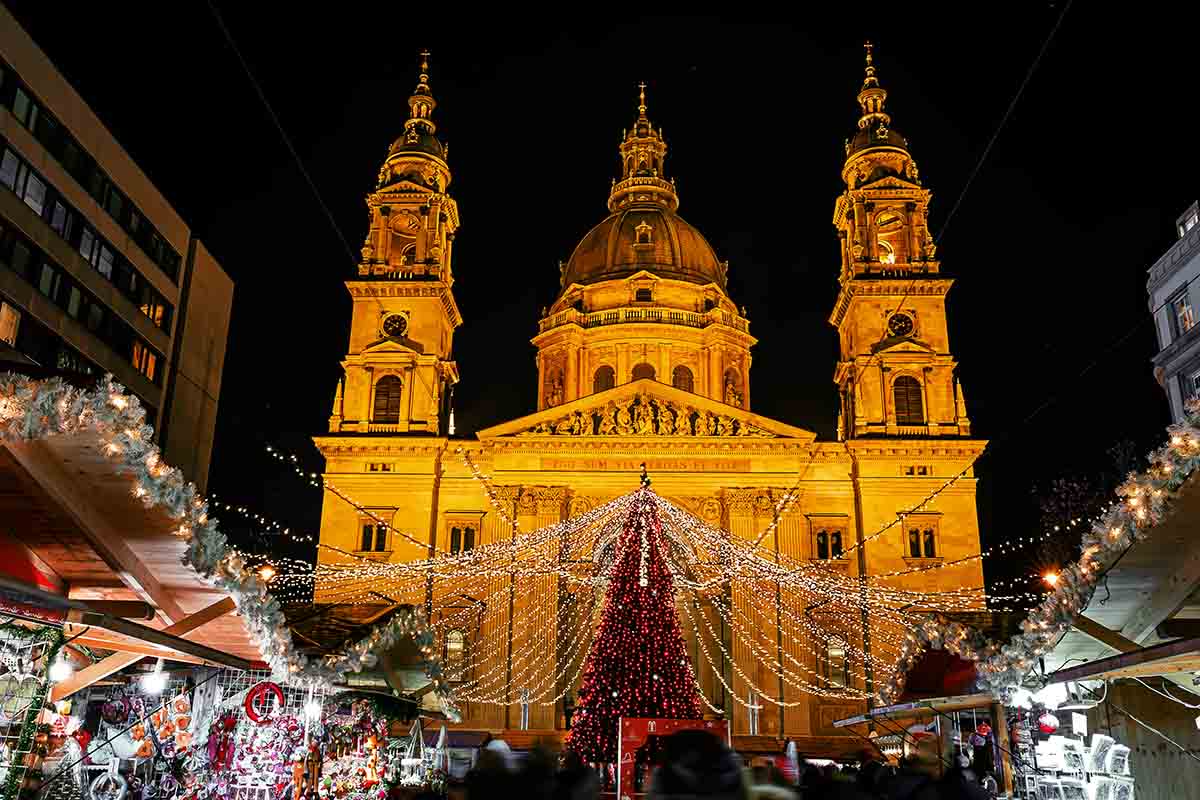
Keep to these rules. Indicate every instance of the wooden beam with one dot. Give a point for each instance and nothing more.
(1105, 636)
(47, 469)
(1160, 659)
(118, 661)
(125, 609)
(143, 649)
(1178, 550)
(1178, 629)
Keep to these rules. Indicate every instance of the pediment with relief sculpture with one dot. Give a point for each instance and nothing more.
(650, 409)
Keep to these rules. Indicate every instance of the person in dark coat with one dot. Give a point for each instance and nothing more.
(576, 780)
(697, 764)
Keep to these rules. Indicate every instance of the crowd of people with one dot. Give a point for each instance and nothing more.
(694, 764)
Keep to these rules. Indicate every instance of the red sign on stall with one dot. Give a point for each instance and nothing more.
(633, 734)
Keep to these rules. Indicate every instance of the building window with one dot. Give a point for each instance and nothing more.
(886, 254)
(468, 539)
(922, 539)
(604, 379)
(455, 651)
(1191, 384)
(827, 543)
(1181, 313)
(681, 378)
(643, 296)
(907, 393)
(1188, 222)
(835, 666)
(10, 323)
(374, 537)
(455, 540)
(145, 360)
(387, 400)
(643, 370)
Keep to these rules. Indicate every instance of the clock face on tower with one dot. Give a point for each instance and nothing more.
(395, 325)
(900, 325)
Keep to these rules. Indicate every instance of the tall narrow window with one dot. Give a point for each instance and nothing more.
(380, 538)
(822, 545)
(468, 539)
(455, 649)
(681, 378)
(455, 540)
(604, 379)
(368, 536)
(1184, 318)
(835, 544)
(914, 543)
(835, 665)
(387, 400)
(907, 393)
(928, 540)
(643, 370)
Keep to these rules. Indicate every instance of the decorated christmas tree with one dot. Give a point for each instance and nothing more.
(638, 666)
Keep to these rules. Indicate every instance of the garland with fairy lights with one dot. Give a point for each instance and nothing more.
(1144, 500)
(37, 409)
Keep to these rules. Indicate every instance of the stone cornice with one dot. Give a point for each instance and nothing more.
(1179, 255)
(375, 445)
(914, 285)
(366, 288)
(882, 448)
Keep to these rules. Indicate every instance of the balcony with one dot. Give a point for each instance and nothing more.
(641, 314)
(383, 427)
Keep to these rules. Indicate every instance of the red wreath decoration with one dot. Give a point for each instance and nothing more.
(257, 692)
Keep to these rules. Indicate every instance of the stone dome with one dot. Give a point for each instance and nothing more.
(420, 141)
(652, 238)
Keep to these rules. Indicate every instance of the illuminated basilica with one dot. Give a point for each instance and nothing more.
(644, 357)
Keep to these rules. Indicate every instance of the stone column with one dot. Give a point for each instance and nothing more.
(541, 384)
(664, 364)
(364, 416)
(715, 378)
(746, 381)
(885, 398)
(571, 379)
(931, 423)
(622, 363)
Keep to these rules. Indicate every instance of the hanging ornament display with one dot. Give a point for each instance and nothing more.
(1047, 723)
(262, 701)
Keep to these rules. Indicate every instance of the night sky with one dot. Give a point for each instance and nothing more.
(1049, 247)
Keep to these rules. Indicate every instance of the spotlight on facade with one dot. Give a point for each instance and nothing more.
(267, 573)
(1051, 578)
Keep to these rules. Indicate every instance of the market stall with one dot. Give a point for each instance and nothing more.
(142, 659)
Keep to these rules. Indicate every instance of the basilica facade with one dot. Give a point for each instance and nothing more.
(644, 357)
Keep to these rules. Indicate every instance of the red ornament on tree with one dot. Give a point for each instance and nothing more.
(638, 665)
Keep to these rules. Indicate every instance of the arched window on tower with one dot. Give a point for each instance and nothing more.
(681, 378)
(604, 379)
(907, 393)
(642, 370)
(387, 400)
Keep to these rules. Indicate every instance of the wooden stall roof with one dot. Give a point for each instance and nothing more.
(1168, 658)
(68, 506)
(920, 708)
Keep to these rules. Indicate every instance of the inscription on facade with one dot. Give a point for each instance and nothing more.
(634, 464)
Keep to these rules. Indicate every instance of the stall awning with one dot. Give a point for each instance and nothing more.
(919, 708)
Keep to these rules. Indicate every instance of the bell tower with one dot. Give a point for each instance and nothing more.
(399, 371)
(895, 373)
